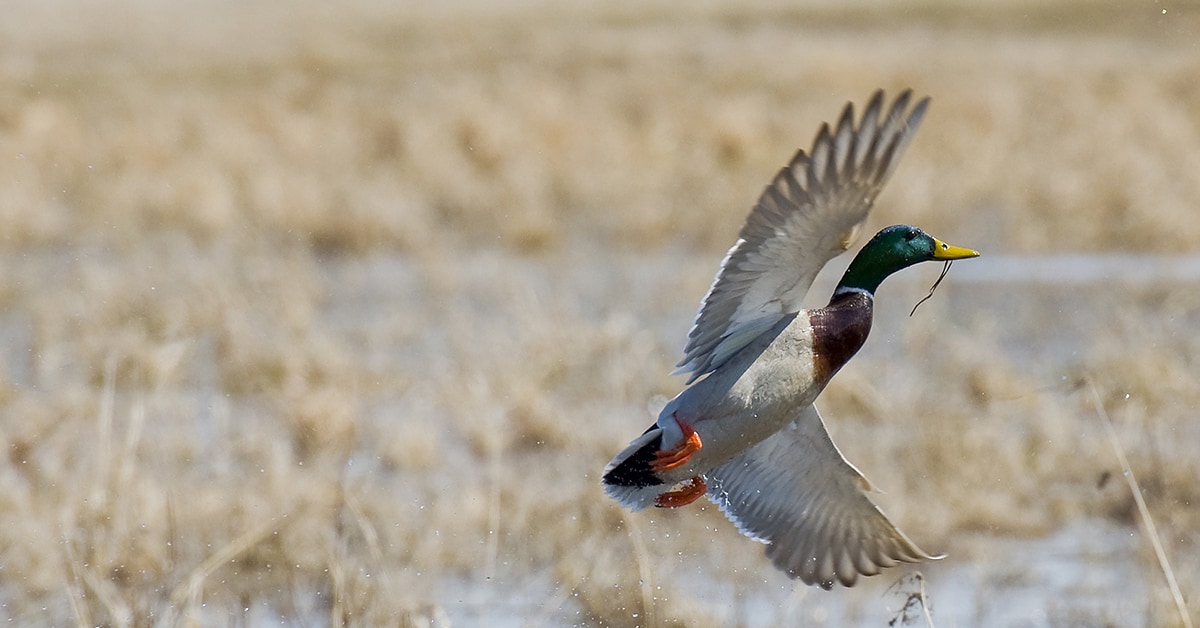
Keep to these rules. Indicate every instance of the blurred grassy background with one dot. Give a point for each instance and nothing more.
(334, 313)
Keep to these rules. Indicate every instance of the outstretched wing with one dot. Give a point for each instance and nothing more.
(809, 214)
(797, 493)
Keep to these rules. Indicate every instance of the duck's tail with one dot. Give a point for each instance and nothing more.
(629, 479)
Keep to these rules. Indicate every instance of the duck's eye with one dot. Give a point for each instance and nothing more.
(910, 236)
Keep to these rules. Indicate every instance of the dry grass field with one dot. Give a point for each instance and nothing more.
(322, 315)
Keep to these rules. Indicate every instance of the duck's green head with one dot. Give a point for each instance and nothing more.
(892, 249)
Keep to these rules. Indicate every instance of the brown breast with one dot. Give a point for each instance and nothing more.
(839, 330)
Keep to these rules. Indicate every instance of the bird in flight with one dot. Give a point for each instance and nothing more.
(745, 431)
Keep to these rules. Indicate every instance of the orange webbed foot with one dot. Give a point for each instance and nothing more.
(671, 458)
(689, 492)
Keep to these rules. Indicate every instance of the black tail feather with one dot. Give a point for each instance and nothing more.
(634, 471)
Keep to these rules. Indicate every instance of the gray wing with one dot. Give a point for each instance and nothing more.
(797, 493)
(809, 214)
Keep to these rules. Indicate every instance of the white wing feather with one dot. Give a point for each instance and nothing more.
(797, 493)
(810, 213)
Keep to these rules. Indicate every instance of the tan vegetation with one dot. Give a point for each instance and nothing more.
(335, 314)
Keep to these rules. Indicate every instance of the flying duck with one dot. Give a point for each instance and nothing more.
(744, 431)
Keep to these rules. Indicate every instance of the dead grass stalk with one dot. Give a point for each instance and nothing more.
(1143, 511)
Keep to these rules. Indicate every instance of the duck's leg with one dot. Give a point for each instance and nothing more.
(681, 453)
(686, 494)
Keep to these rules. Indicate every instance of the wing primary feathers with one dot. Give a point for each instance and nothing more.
(844, 145)
(819, 168)
(798, 194)
(869, 130)
(797, 493)
(898, 126)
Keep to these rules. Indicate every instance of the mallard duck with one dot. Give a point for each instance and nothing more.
(745, 431)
